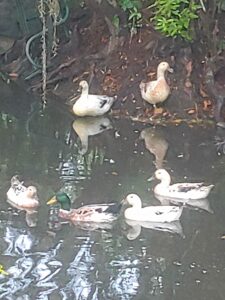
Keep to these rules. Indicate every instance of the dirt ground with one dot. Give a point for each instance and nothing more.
(116, 64)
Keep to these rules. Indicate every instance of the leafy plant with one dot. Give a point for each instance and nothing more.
(132, 7)
(173, 17)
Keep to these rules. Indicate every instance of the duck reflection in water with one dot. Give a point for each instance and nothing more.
(156, 144)
(90, 126)
(202, 204)
(135, 228)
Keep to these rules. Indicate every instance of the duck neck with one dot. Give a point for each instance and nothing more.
(165, 182)
(160, 73)
(85, 91)
(66, 206)
(137, 205)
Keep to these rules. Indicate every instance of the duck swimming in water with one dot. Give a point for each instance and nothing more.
(22, 197)
(185, 191)
(150, 213)
(88, 213)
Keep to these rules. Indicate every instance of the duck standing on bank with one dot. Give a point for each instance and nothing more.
(185, 191)
(150, 213)
(88, 213)
(91, 105)
(156, 91)
(22, 197)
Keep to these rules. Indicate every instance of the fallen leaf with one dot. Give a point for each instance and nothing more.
(114, 173)
(207, 104)
(191, 111)
(158, 111)
(202, 92)
(188, 83)
(151, 74)
(177, 121)
(189, 68)
(13, 75)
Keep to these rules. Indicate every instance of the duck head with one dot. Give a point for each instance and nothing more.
(61, 198)
(83, 86)
(163, 67)
(31, 192)
(133, 200)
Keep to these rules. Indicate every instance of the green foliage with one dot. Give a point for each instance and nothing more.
(173, 17)
(132, 7)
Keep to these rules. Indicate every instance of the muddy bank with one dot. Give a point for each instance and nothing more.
(115, 64)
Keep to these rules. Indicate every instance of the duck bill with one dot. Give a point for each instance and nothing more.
(52, 201)
(170, 70)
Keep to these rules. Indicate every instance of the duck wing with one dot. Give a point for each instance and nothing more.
(189, 190)
(161, 213)
(186, 187)
(92, 213)
(102, 100)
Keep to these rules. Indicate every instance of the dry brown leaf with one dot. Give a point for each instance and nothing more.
(177, 121)
(13, 75)
(191, 111)
(114, 173)
(189, 68)
(202, 92)
(151, 74)
(158, 111)
(207, 104)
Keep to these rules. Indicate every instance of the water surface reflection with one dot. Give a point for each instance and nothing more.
(125, 260)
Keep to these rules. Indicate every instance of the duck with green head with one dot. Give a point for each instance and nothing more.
(87, 213)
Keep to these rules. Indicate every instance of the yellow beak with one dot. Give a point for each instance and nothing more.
(53, 200)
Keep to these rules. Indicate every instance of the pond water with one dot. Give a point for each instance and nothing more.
(48, 260)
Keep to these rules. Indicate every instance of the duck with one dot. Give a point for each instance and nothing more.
(91, 105)
(89, 126)
(22, 197)
(158, 90)
(88, 213)
(185, 191)
(150, 213)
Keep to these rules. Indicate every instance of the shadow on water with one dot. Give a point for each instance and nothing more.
(100, 161)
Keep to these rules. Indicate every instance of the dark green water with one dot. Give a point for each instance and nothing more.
(121, 261)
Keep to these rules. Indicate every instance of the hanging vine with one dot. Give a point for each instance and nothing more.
(48, 11)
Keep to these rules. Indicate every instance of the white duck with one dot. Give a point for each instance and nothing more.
(89, 126)
(22, 197)
(158, 90)
(185, 191)
(150, 213)
(91, 105)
